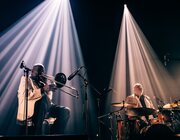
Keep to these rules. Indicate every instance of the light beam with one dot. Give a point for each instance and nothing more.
(45, 35)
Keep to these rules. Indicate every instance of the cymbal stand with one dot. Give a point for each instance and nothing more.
(110, 118)
(119, 126)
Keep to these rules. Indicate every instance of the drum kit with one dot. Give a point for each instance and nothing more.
(165, 120)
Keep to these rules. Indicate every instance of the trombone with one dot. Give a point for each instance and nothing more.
(60, 80)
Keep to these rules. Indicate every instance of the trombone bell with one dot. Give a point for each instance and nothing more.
(60, 81)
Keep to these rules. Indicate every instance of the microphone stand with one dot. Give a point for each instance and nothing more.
(98, 112)
(86, 83)
(26, 71)
(85, 103)
(26, 74)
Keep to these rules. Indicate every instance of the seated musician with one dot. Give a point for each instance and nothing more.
(40, 106)
(138, 100)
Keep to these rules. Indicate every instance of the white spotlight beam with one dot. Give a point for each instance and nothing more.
(135, 61)
(45, 35)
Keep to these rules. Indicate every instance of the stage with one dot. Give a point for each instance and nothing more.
(46, 137)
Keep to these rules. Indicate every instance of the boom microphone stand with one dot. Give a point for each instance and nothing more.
(86, 83)
(85, 105)
(85, 102)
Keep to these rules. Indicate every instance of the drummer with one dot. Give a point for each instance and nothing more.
(139, 100)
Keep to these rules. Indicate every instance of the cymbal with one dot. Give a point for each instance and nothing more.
(142, 111)
(172, 105)
(167, 106)
(121, 104)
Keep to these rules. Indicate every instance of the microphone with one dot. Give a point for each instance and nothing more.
(74, 73)
(22, 65)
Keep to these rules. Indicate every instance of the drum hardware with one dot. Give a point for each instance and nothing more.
(110, 115)
(142, 111)
(122, 105)
(109, 128)
(168, 117)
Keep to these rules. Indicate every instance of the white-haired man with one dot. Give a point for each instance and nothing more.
(139, 109)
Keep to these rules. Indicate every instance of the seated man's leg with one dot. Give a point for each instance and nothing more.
(45, 127)
(62, 115)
